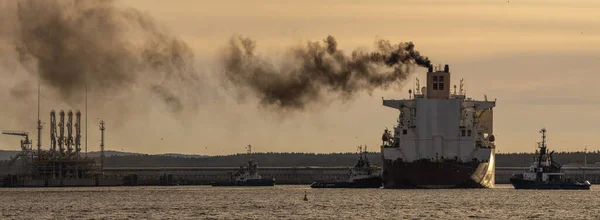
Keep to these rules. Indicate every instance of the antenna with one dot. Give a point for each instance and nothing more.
(39, 124)
(462, 86)
(466, 91)
(86, 118)
(251, 160)
(585, 156)
(38, 100)
(543, 131)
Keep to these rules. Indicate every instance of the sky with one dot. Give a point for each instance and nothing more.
(537, 58)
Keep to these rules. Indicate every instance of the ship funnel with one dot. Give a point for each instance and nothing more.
(438, 83)
(430, 68)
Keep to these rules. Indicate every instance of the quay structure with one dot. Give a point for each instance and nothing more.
(289, 175)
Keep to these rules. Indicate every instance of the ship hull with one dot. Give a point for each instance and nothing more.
(373, 182)
(251, 182)
(438, 175)
(528, 184)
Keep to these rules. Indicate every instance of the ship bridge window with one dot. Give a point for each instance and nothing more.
(435, 82)
(462, 133)
(441, 83)
(404, 131)
(469, 133)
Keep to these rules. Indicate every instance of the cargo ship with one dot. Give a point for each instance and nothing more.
(442, 139)
(362, 175)
(545, 173)
(247, 176)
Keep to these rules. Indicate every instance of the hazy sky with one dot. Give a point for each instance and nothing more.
(538, 58)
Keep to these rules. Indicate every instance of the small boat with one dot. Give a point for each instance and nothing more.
(362, 175)
(247, 176)
(545, 173)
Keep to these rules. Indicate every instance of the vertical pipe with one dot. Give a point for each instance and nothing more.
(77, 133)
(53, 131)
(102, 146)
(53, 141)
(77, 140)
(61, 135)
(70, 132)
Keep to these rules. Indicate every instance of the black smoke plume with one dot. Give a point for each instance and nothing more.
(71, 43)
(308, 73)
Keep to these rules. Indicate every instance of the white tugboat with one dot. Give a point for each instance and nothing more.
(248, 176)
(545, 173)
(362, 175)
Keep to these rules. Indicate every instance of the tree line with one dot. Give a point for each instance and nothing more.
(306, 159)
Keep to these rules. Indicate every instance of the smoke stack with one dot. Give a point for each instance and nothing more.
(446, 68)
(430, 68)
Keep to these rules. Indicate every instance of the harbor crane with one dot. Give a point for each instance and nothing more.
(26, 143)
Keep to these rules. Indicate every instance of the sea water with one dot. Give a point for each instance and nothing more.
(286, 202)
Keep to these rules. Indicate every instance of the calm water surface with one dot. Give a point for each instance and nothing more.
(285, 202)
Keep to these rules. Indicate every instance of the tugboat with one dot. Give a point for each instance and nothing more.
(362, 175)
(545, 173)
(247, 176)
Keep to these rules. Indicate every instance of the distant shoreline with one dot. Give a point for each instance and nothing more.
(272, 159)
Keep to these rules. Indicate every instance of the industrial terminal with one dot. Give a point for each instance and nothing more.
(65, 164)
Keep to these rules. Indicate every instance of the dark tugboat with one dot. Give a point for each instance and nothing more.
(247, 176)
(362, 175)
(545, 173)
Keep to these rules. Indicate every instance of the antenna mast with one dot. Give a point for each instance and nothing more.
(543, 131)
(39, 125)
(86, 118)
(102, 145)
(585, 156)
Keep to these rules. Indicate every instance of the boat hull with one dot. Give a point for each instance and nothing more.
(438, 175)
(251, 182)
(528, 184)
(373, 182)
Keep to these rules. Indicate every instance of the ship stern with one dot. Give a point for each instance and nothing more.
(428, 174)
